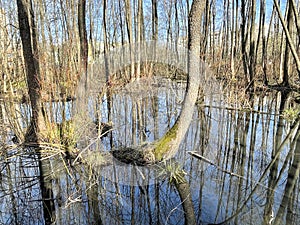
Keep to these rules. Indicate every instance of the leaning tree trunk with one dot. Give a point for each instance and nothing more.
(30, 54)
(168, 145)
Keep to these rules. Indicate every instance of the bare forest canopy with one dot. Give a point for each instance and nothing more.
(245, 43)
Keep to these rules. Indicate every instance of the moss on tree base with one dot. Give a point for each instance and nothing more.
(147, 154)
(163, 148)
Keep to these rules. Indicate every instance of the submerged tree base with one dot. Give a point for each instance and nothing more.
(140, 156)
(149, 153)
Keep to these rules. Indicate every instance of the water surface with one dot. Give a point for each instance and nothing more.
(249, 175)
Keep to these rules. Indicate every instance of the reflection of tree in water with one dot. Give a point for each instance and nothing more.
(225, 137)
(236, 157)
(247, 143)
(252, 162)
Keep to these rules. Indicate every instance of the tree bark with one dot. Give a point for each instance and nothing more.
(264, 41)
(82, 37)
(154, 20)
(30, 54)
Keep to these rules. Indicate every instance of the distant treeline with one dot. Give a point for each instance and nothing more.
(246, 43)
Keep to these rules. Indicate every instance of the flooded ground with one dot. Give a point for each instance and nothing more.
(247, 173)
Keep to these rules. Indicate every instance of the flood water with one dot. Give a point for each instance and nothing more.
(249, 173)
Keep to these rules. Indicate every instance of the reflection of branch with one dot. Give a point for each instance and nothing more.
(71, 201)
(198, 156)
(258, 183)
(240, 109)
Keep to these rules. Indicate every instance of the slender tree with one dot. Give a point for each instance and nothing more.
(130, 35)
(244, 37)
(154, 20)
(139, 36)
(82, 37)
(252, 50)
(286, 61)
(264, 41)
(105, 38)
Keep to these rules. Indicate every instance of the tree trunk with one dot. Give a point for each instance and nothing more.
(130, 36)
(244, 37)
(83, 39)
(154, 20)
(233, 42)
(286, 62)
(139, 38)
(296, 15)
(121, 23)
(264, 42)
(204, 45)
(252, 50)
(30, 54)
(106, 62)
(288, 36)
(168, 145)
(154, 27)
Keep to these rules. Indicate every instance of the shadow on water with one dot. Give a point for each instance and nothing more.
(243, 166)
